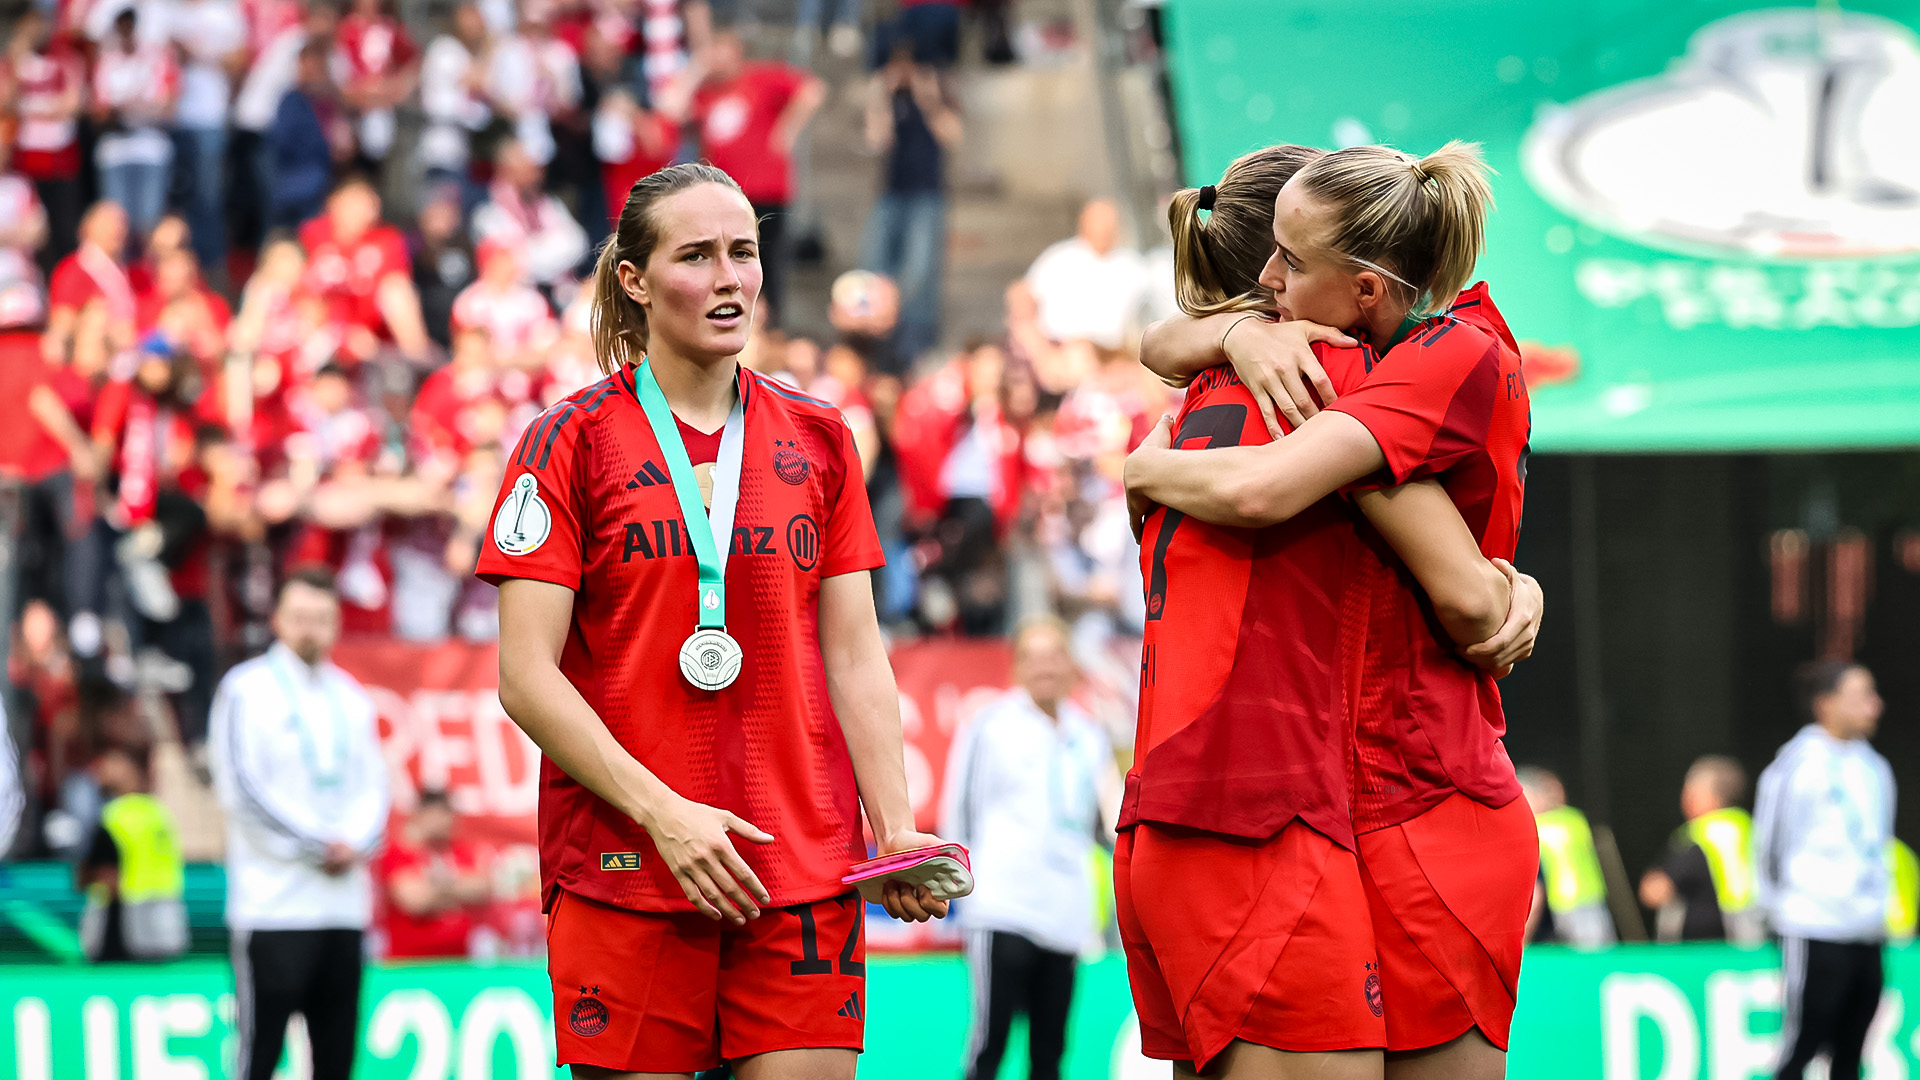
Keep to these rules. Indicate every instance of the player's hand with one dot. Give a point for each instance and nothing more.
(692, 838)
(1275, 362)
(1513, 642)
(910, 903)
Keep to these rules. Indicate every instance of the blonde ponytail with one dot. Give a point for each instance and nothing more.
(1217, 261)
(619, 322)
(1421, 222)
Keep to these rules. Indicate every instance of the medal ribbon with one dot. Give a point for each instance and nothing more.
(309, 751)
(702, 528)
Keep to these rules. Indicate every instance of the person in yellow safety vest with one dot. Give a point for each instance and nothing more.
(1704, 890)
(1570, 898)
(1903, 899)
(133, 875)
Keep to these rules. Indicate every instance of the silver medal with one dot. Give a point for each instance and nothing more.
(710, 659)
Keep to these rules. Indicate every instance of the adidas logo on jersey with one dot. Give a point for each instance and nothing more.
(647, 476)
(851, 1010)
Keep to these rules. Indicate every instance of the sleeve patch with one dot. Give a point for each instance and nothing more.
(523, 521)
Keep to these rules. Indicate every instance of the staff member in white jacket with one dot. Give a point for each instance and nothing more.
(297, 766)
(1822, 820)
(1023, 793)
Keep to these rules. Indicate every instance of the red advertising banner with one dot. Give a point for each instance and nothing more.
(443, 727)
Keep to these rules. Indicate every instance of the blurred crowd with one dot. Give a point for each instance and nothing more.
(280, 286)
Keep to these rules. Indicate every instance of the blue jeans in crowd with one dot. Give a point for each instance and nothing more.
(201, 154)
(140, 189)
(906, 239)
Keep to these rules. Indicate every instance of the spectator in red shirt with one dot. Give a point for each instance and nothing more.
(93, 272)
(49, 84)
(383, 66)
(360, 265)
(750, 115)
(514, 313)
(134, 86)
(631, 142)
(431, 882)
(459, 406)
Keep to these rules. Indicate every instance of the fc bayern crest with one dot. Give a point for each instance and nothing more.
(789, 464)
(588, 1017)
(523, 521)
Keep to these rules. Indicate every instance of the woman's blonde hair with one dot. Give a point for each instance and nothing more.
(1217, 260)
(619, 322)
(1421, 222)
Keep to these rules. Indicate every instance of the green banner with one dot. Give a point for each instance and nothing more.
(1633, 1013)
(1708, 235)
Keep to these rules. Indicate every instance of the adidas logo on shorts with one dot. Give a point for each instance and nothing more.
(851, 1010)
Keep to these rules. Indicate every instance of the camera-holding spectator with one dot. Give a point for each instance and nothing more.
(430, 881)
(383, 67)
(135, 84)
(360, 266)
(533, 78)
(911, 121)
(310, 135)
(750, 115)
(631, 142)
(49, 81)
(212, 38)
(132, 873)
(23, 231)
(520, 215)
(93, 272)
(453, 97)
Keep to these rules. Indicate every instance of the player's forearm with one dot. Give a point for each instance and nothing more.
(1419, 521)
(1220, 487)
(868, 704)
(1181, 347)
(545, 704)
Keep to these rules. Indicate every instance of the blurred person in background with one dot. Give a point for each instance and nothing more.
(1823, 820)
(933, 29)
(298, 770)
(443, 260)
(630, 141)
(1088, 287)
(360, 267)
(750, 114)
(1570, 896)
(132, 873)
(533, 79)
(383, 68)
(49, 94)
(23, 232)
(135, 83)
(1023, 792)
(13, 790)
(911, 120)
(275, 72)
(1703, 891)
(309, 137)
(211, 36)
(431, 881)
(94, 271)
(1903, 892)
(843, 32)
(452, 76)
(533, 225)
(517, 318)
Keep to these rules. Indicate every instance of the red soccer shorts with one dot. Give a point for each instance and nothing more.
(1450, 891)
(641, 992)
(1263, 940)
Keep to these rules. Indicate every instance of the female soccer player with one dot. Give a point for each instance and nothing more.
(1370, 240)
(688, 634)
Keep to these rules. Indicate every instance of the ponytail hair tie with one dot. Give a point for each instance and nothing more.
(1206, 198)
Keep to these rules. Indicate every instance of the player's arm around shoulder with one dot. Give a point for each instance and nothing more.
(860, 684)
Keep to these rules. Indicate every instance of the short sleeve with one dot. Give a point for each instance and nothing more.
(70, 288)
(1429, 405)
(537, 529)
(852, 541)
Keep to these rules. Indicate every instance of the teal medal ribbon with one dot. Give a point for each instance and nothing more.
(710, 658)
(290, 689)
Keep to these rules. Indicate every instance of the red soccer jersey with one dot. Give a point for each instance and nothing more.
(1243, 726)
(602, 520)
(349, 274)
(1448, 402)
(443, 933)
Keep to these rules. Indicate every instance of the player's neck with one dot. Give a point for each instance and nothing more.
(701, 393)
